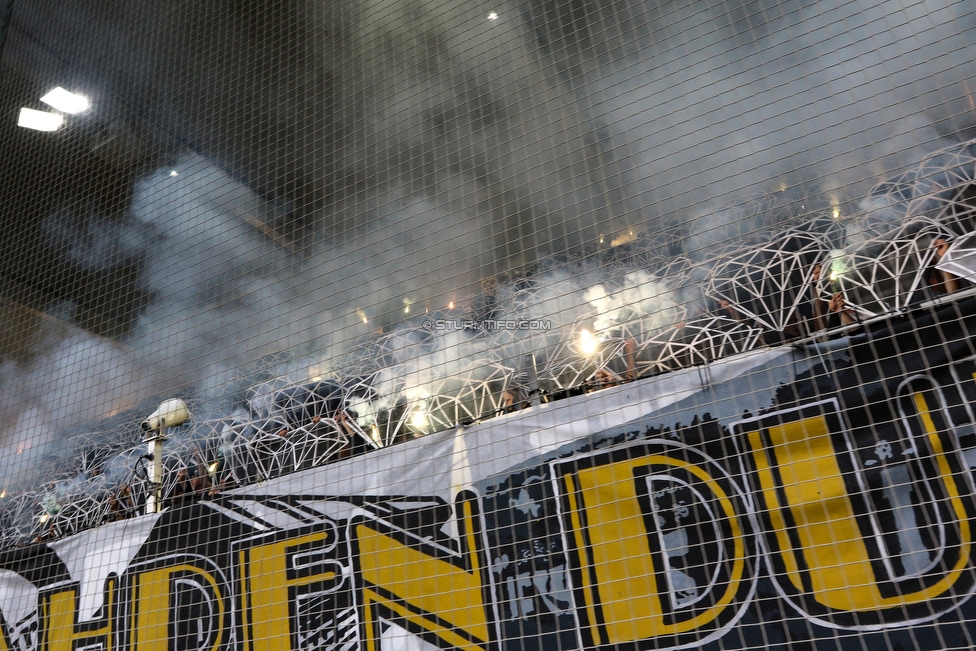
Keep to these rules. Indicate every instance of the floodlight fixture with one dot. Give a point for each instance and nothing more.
(39, 120)
(66, 101)
(170, 413)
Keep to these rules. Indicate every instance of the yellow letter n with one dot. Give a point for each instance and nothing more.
(438, 593)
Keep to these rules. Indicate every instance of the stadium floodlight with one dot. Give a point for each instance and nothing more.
(171, 413)
(66, 101)
(39, 120)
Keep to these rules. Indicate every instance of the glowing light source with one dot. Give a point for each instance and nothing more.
(39, 120)
(213, 467)
(836, 213)
(418, 420)
(66, 101)
(492, 16)
(3, 494)
(44, 518)
(450, 305)
(174, 173)
(837, 270)
(625, 237)
(588, 343)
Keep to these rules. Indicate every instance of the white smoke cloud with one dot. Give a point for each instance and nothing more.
(830, 95)
(224, 295)
(75, 379)
(480, 149)
(642, 303)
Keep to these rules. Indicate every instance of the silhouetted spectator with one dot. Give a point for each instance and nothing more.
(838, 305)
(630, 356)
(941, 282)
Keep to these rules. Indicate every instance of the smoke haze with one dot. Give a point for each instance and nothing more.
(336, 168)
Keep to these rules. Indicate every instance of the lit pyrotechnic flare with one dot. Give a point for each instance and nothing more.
(837, 270)
(418, 420)
(588, 343)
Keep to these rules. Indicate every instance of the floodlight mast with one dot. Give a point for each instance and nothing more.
(155, 499)
(171, 413)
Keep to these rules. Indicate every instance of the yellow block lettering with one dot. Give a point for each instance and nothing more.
(621, 556)
(628, 587)
(432, 592)
(268, 581)
(818, 530)
(152, 606)
(60, 630)
(830, 539)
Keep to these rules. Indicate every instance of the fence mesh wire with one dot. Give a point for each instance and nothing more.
(506, 325)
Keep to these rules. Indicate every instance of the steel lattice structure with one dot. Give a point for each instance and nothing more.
(617, 313)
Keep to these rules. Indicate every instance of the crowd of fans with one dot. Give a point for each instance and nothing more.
(807, 280)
